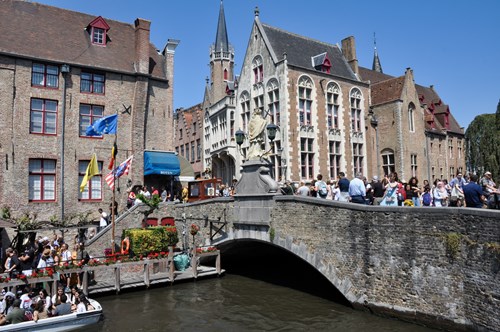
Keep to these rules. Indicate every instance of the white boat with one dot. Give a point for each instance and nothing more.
(70, 322)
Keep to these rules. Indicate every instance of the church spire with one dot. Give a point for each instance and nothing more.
(376, 61)
(221, 40)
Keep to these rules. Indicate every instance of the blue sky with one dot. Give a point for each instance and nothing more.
(451, 44)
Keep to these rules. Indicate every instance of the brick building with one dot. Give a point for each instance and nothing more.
(57, 78)
(189, 139)
(313, 94)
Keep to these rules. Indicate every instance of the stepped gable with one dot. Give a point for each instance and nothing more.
(387, 91)
(33, 30)
(299, 51)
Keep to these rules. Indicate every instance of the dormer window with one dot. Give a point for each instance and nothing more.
(98, 30)
(321, 62)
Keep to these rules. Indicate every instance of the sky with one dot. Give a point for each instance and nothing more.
(451, 44)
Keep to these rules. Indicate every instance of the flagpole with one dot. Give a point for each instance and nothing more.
(113, 200)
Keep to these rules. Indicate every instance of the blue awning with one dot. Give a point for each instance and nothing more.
(162, 163)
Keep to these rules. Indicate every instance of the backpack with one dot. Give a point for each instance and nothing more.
(426, 199)
(323, 191)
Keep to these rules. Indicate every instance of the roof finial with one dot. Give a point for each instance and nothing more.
(256, 11)
(376, 61)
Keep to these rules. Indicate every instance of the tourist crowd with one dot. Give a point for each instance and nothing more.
(461, 191)
(36, 303)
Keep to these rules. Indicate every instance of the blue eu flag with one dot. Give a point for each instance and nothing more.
(106, 125)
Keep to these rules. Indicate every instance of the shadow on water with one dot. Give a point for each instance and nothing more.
(274, 265)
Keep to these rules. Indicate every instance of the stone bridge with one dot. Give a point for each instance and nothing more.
(437, 266)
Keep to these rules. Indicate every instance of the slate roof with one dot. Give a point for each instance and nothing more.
(39, 31)
(372, 76)
(299, 51)
(221, 39)
(388, 90)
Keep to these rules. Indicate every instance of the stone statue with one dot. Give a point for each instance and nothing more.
(256, 129)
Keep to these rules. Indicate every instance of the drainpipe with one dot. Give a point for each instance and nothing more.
(65, 69)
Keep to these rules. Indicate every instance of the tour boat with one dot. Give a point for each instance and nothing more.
(70, 322)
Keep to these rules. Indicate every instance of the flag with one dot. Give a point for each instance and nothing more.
(105, 125)
(114, 151)
(92, 169)
(124, 168)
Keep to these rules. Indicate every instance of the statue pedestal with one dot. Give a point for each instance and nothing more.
(255, 190)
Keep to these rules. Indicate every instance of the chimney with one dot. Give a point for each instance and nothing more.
(349, 52)
(142, 29)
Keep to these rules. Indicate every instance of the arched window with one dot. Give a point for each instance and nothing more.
(411, 117)
(332, 101)
(388, 161)
(356, 112)
(225, 74)
(258, 69)
(305, 100)
(274, 101)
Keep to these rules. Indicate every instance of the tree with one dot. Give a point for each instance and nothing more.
(482, 139)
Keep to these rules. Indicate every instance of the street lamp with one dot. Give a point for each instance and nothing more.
(240, 136)
(271, 131)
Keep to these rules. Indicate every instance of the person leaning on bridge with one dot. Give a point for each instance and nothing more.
(357, 189)
(473, 192)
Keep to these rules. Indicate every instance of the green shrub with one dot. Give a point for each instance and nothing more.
(152, 239)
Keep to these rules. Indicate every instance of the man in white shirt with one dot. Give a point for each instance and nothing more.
(104, 220)
(357, 189)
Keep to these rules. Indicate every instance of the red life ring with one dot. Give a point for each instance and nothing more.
(125, 245)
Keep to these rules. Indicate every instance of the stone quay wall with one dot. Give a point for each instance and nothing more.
(437, 266)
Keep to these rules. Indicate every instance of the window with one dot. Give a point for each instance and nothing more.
(433, 172)
(274, 102)
(388, 164)
(258, 70)
(182, 150)
(98, 36)
(459, 148)
(42, 180)
(245, 110)
(357, 157)
(187, 151)
(276, 160)
(259, 102)
(93, 190)
(43, 116)
(88, 115)
(177, 150)
(355, 102)
(225, 74)
(198, 148)
(306, 158)
(413, 161)
(193, 151)
(411, 117)
(180, 133)
(305, 101)
(332, 100)
(450, 147)
(45, 75)
(334, 152)
(92, 83)
(452, 172)
(194, 128)
(441, 172)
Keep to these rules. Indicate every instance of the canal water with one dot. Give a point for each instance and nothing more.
(235, 303)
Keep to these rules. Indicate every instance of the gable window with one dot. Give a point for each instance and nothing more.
(245, 110)
(357, 157)
(388, 165)
(92, 83)
(356, 112)
(93, 189)
(413, 161)
(88, 115)
(305, 101)
(306, 158)
(45, 75)
(180, 133)
(258, 70)
(411, 118)
(274, 101)
(98, 36)
(332, 100)
(335, 155)
(43, 116)
(42, 180)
